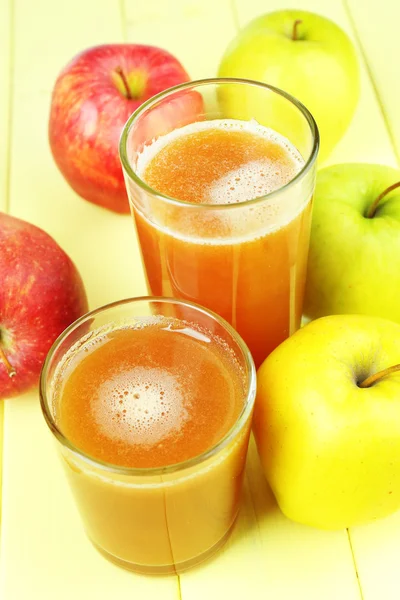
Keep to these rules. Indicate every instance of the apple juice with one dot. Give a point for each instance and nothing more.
(244, 260)
(148, 397)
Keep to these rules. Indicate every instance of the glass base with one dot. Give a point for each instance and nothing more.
(174, 569)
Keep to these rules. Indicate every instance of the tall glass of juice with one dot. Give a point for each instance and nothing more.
(220, 176)
(150, 401)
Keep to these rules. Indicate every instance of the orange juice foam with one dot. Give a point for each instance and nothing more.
(150, 396)
(219, 162)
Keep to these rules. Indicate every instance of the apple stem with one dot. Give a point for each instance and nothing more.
(377, 376)
(372, 209)
(124, 80)
(10, 369)
(294, 31)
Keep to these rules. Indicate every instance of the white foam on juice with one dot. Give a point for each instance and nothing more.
(254, 179)
(143, 406)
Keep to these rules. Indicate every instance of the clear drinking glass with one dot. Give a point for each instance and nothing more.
(245, 261)
(153, 520)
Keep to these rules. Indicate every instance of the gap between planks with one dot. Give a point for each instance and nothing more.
(355, 564)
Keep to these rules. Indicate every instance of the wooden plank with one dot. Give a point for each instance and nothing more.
(43, 546)
(378, 34)
(376, 546)
(367, 139)
(195, 31)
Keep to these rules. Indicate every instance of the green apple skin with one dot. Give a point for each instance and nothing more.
(330, 449)
(320, 68)
(354, 261)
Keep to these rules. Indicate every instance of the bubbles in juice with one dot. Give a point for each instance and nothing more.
(150, 396)
(219, 162)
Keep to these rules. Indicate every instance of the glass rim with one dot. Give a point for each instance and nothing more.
(308, 164)
(149, 471)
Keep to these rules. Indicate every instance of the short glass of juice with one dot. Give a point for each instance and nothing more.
(150, 401)
(220, 175)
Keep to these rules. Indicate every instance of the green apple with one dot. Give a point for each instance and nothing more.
(327, 421)
(304, 54)
(354, 258)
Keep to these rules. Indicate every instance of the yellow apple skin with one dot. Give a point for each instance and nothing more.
(320, 69)
(330, 449)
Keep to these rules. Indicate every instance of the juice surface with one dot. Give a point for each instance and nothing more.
(255, 278)
(219, 165)
(150, 396)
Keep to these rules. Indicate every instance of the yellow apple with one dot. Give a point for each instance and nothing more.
(330, 448)
(304, 54)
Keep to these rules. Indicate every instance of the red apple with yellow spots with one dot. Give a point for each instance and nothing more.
(92, 99)
(41, 293)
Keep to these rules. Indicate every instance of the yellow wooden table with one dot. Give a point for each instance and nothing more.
(44, 551)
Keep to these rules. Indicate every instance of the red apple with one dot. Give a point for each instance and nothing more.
(92, 99)
(41, 293)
